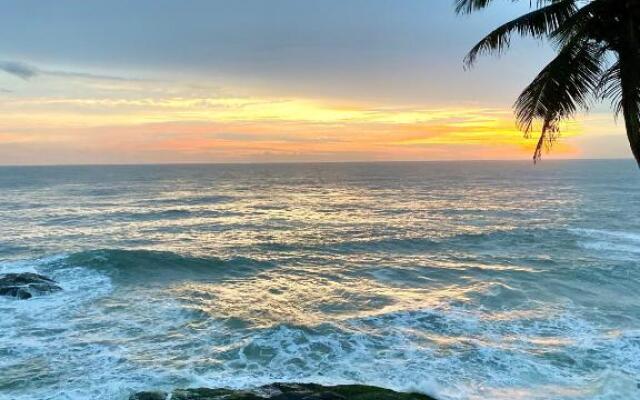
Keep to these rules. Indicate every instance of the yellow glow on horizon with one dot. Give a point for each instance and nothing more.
(250, 126)
(234, 109)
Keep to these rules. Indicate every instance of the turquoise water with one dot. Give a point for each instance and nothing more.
(494, 280)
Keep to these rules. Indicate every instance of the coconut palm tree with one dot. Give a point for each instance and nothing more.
(598, 57)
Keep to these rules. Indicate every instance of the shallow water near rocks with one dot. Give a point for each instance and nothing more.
(460, 280)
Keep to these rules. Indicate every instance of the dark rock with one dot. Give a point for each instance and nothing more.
(287, 391)
(149, 396)
(26, 285)
(213, 394)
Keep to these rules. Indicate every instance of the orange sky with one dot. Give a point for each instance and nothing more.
(129, 124)
(263, 81)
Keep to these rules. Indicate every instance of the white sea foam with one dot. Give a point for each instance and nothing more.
(148, 339)
(617, 243)
(34, 333)
(97, 341)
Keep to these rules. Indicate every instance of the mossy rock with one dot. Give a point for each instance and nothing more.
(286, 391)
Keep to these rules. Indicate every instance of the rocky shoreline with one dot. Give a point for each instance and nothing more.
(284, 391)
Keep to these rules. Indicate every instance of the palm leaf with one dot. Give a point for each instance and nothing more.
(468, 6)
(562, 87)
(537, 23)
(587, 22)
(609, 87)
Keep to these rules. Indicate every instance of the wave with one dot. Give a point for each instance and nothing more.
(468, 241)
(162, 215)
(609, 241)
(169, 214)
(462, 352)
(173, 213)
(604, 233)
(139, 266)
(129, 339)
(191, 200)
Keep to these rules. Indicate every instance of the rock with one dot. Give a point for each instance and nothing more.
(286, 391)
(149, 396)
(26, 285)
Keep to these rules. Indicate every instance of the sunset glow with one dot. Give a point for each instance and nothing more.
(227, 101)
(254, 128)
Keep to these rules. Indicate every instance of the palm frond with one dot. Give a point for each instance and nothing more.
(587, 21)
(537, 23)
(610, 87)
(562, 87)
(467, 6)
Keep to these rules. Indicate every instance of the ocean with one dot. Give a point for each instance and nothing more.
(463, 280)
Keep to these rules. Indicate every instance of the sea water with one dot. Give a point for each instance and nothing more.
(492, 280)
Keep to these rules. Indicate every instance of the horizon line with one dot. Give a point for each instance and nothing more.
(189, 163)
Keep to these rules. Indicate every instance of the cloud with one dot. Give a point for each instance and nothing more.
(26, 72)
(21, 70)
(87, 75)
(262, 137)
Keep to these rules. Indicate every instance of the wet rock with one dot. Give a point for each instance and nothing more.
(286, 391)
(149, 396)
(26, 285)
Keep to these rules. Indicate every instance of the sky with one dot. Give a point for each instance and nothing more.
(158, 81)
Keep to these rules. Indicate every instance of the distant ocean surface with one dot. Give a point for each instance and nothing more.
(491, 280)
